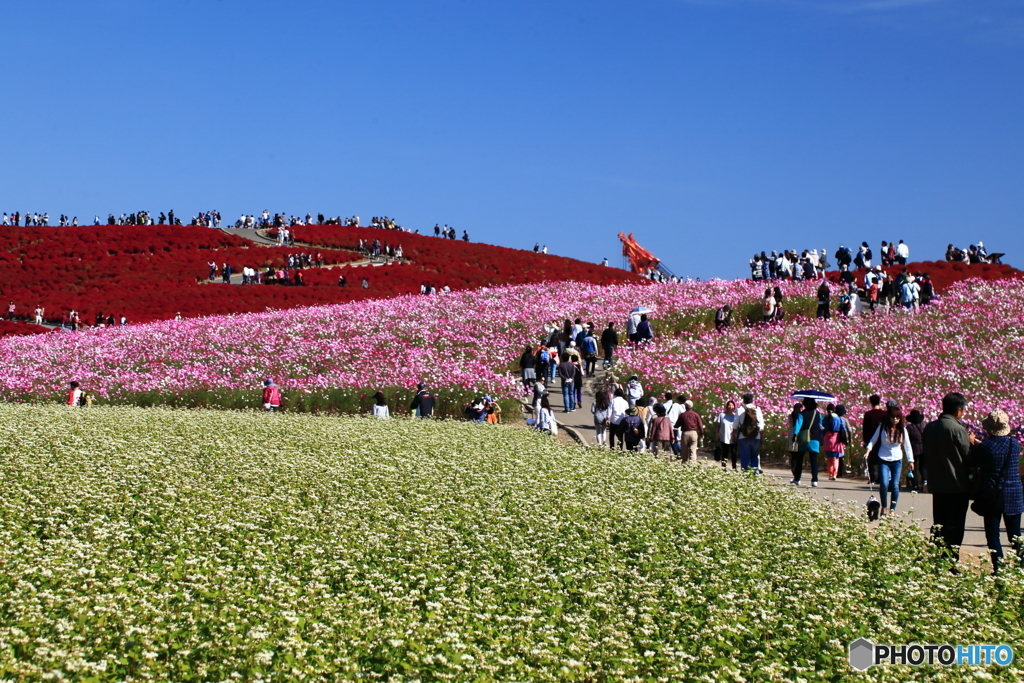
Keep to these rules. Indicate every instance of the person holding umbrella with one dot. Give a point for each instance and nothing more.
(809, 433)
(633, 322)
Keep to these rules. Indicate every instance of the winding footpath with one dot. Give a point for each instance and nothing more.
(915, 509)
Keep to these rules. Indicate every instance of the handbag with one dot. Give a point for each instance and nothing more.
(803, 437)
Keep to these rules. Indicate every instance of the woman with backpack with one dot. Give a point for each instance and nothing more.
(807, 427)
(999, 495)
(836, 436)
(633, 430)
(894, 443)
(601, 409)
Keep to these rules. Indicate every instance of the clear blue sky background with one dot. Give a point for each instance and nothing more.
(710, 129)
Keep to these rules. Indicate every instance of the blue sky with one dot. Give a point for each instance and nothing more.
(710, 129)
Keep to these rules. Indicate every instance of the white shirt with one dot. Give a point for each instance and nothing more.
(619, 406)
(742, 417)
(888, 451)
(726, 427)
(672, 411)
(902, 250)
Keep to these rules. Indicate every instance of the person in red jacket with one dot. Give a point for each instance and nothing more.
(271, 395)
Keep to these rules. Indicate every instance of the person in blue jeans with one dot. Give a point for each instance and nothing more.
(567, 373)
(998, 460)
(894, 442)
(749, 425)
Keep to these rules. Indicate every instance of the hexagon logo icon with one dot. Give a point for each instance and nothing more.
(862, 654)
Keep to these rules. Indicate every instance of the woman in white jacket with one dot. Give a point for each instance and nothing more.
(546, 417)
(895, 443)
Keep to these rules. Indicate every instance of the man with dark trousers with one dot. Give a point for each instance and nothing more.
(609, 340)
(947, 446)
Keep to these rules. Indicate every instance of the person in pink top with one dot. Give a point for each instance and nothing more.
(271, 395)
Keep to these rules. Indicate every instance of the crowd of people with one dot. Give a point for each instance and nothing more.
(901, 450)
(789, 265)
(973, 254)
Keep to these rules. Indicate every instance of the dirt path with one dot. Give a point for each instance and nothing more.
(915, 509)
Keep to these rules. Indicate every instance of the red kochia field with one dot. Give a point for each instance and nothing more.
(463, 265)
(944, 273)
(153, 272)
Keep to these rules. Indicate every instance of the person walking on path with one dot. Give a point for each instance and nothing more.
(809, 435)
(692, 428)
(578, 383)
(915, 430)
(423, 403)
(589, 347)
(634, 390)
(661, 434)
(380, 406)
(999, 495)
(600, 408)
(872, 419)
(619, 406)
(947, 450)
(750, 425)
(836, 436)
(609, 342)
(567, 373)
(527, 364)
(727, 433)
(894, 442)
(271, 396)
(633, 429)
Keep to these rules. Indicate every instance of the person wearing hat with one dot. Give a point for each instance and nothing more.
(423, 403)
(999, 494)
(633, 429)
(947, 450)
(271, 396)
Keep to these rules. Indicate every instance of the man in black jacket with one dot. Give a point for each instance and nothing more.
(423, 403)
(947, 446)
(609, 340)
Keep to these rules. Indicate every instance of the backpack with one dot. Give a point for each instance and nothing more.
(633, 422)
(750, 428)
(545, 357)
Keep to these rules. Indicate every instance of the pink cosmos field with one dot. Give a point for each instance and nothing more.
(469, 343)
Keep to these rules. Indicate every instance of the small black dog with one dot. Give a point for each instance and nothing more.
(874, 507)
